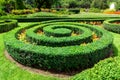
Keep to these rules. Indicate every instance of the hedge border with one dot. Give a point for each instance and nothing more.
(57, 30)
(39, 19)
(7, 25)
(109, 25)
(108, 69)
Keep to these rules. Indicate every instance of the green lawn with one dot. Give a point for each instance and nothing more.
(116, 43)
(92, 15)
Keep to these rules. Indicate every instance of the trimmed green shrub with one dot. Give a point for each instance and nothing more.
(57, 31)
(39, 19)
(108, 69)
(95, 10)
(2, 13)
(43, 14)
(112, 26)
(6, 25)
(83, 37)
(47, 57)
(89, 18)
(74, 10)
(11, 16)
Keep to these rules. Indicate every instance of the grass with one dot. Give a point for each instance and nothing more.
(91, 15)
(43, 14)
(116, 43)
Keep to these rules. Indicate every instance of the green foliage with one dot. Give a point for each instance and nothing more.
(19, 4)
(101, 4)
(118, 5)
(2, 13)
(45, 57)
(108, 69)
(45, 3)
(9, 67)
(57, 31)
(95, 10)
(65, 40)
(73, 4)
(6, 25)
(12, 16)
(112, 25)
(43, 14)
(20, 72)
(22, 4)
(84, 3)
(8, 5)
(76, 11)
(101, 16)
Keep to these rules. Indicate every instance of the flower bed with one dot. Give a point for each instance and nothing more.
(117, 12)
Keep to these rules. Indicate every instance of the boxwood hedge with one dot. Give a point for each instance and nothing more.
(39, 19)
(6, 25)
(108, 69)
(65, 58)
(57, 31)
(85, 35)
(111, 26)
(76, 10)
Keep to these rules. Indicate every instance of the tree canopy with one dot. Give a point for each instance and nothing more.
(22, 4)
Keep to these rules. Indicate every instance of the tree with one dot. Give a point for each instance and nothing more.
(19, 4)
(29, 4)
(104, 4)
(45, 3)
(1, 4)
(73, 4)
(76, 3)
(101, 4)
(85, 3)
(8, 5)
(118, 4)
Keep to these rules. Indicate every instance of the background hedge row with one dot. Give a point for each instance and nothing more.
(39, 19)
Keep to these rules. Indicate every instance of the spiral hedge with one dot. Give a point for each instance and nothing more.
(56, 49)
(112, 25)
(6, 25)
